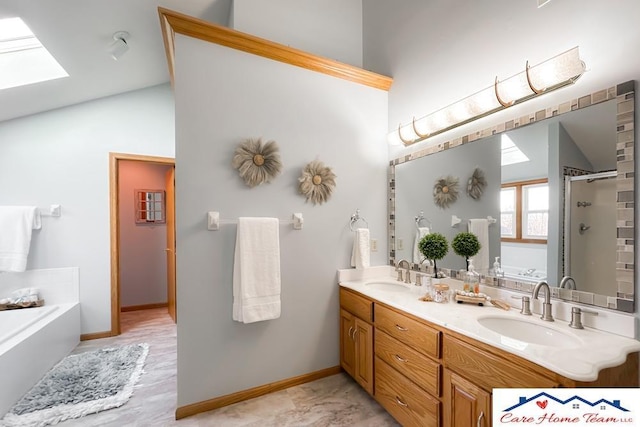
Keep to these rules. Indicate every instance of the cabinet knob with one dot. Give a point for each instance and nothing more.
(401, 328)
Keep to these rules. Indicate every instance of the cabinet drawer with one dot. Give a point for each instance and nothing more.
(357, 305)
(405, 401)
(488, 370)
(412, 364)
(409, 331)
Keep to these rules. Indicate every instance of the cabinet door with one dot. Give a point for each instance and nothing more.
(364, 355)
(347, 342)
(466, 405)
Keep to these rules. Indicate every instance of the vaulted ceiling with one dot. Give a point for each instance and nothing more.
(78, 34)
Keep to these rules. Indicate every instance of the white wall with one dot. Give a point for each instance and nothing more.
(440, 52)
(143, 260)
(329, 28)
(62, 156)
(222, 97)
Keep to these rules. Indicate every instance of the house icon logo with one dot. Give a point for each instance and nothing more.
(542, 401)
(568, 406)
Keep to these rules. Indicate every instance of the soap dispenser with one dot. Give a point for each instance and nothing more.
(472, 281)
(497, 270)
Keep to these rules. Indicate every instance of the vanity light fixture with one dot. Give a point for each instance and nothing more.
(119, 46)
(559, 71)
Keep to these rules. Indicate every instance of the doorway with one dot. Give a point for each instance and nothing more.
(146, 216)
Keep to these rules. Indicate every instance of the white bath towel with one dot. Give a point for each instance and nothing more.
(420, 233)
(361, 254)
(256, 270)
(480, 227)
(16, 224)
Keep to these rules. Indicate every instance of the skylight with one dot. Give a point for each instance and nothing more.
(23, 59)
(511, 154)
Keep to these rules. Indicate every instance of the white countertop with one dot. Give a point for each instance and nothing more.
(596, 349)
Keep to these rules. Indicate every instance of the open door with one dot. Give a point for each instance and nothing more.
(171, 241)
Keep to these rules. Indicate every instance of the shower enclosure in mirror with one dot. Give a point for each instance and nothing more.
(547, 229)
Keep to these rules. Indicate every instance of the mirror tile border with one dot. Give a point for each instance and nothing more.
(624, 94)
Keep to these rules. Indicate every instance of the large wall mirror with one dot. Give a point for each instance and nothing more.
(559, 200)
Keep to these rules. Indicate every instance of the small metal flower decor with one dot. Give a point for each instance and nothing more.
(445, 191)
(476, 184)
(257, 162)
(317, 182)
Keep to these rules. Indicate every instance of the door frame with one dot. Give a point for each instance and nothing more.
(114, 208)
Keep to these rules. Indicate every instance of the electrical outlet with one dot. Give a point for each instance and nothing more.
(400, 244)
(374, 245)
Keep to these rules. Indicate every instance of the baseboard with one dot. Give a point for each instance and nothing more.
(144, 307)
(96, 336)
(229, 399)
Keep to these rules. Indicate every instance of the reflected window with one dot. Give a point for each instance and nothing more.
(150, 206)
(524, 211)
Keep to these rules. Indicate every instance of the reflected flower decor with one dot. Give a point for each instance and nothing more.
(317, 182)
(476, 184)
(257, 162)
(445, 191)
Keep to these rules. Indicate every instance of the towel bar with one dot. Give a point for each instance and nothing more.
(214, 221)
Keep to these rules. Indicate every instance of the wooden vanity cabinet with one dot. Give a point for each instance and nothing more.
(356, 338)
(425, 375)
(407, 367)
(465, 404)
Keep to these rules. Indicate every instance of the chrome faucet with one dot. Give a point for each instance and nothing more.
(528, 272)
(564, 283)
(546, 307)
(407, 278)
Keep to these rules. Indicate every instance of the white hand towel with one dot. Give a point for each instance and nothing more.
(420, 233)
(16, 224)
(361, 254)
(480, 227)
(256, 270)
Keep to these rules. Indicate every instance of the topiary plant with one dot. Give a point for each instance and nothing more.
(434, 246)
(466, 245)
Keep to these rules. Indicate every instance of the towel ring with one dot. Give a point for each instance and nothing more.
(421, 218)
(355, 218)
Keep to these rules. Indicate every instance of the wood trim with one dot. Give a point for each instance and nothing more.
(96, 335)
(229, 399)
(173, 22)
(144, 307)
(527, 182)
(512, 240)
(114, 221)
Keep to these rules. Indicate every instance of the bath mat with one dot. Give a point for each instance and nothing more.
(79, 385)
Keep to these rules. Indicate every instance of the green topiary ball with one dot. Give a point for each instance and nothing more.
(434, 246)
(466, 244)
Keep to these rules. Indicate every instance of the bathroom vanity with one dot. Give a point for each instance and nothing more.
(432, 364)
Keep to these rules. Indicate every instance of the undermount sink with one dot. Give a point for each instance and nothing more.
(388, 285)
(529, 332)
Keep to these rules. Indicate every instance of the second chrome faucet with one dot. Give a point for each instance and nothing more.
(546, 306)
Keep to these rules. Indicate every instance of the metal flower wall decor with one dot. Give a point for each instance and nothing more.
(317, 182)
(476, 184)
(257, 162)
(445, 191)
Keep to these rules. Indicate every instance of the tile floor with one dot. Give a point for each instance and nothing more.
(332, 401)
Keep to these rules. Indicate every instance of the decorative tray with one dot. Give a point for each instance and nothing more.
(30, 304)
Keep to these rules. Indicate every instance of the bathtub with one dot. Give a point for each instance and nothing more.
(32, 340)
